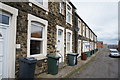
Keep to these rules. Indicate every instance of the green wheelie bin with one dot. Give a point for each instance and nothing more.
(53, 63)
(88, 54)
(72, 59)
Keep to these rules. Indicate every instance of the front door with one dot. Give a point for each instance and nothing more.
(60, 44)
(3, 52)
(79, 47)
(4, 25)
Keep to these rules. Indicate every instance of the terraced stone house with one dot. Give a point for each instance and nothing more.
(36, 28)
(85, 38)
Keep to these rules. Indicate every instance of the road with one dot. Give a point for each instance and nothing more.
(102, 66)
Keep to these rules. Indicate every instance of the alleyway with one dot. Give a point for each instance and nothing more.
(102, 66)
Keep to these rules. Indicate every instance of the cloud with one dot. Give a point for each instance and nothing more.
(101, 17)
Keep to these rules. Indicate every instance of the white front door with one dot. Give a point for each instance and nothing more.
(79, 47)
(4, 25)
(3, 52)
(60, 44)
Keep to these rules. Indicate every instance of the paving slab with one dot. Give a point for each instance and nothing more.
(67, 70)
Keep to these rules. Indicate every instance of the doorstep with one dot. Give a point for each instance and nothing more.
(67, 70)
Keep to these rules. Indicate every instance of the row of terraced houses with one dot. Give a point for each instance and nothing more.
(36, 28)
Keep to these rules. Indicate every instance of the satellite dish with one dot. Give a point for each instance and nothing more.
(77, 29)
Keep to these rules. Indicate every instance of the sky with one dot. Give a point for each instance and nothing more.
(101, 16)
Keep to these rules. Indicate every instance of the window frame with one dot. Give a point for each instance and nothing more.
(62, 8)
(68, 31)
(87, 32)
(32, 18)
(38, 39)
(79, 25)
(67, 4)
(44, 6)
(84, 29)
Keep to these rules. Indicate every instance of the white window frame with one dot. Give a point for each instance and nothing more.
(44, 6)
(67, 4)
(62, 8)
(90, 35)
(67, 30)
(12, 39)
(79, 25)
(87, 32)
(42, 21)
(84, 30)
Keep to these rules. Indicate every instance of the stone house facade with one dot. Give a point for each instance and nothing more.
(85, 37)
(39, 29)
(35, 29)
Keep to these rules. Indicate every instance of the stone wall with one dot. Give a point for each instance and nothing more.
(54, 18)
(22, 27)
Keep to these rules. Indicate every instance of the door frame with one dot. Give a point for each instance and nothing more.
(80, 47)
(59, 27)
(11, 39)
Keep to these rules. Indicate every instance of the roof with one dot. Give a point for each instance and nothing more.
(72, 5)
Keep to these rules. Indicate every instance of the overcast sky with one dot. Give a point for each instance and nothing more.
(101, 16)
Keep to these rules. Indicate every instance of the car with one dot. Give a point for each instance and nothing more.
(114, 53)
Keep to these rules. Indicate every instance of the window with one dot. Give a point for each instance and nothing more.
(62, 7)
(37, 37)
(83, 30)
(36, 40)
(87, 32)
(68, 41)
(79, 25)
(68, 14)
(91, 35)
(40, 3)
(4, 19)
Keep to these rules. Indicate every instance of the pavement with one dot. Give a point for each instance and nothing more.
(102, 66)
(69, 70)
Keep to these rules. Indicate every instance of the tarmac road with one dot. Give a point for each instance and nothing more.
(102, 66)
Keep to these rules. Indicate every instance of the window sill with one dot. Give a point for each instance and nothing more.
(69, 24)
(39, 5)
(39, 57)
(62, 14)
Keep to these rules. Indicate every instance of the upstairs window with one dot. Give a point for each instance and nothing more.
(62, 7)
(87, 32)
(83, 30)
(69, 14)
(79, 25)
(40, 1)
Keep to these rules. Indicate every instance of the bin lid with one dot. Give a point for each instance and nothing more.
(53, 56)
(29, 60)
(74, 54)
